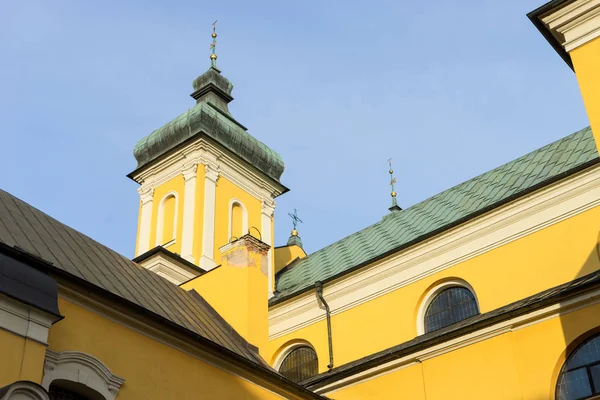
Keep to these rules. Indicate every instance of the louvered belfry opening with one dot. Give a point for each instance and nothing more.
(300, 364)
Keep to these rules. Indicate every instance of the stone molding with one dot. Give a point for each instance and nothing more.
(82, 368)
(25, 320)
(189, 172)
(574, 24)
(25, 390)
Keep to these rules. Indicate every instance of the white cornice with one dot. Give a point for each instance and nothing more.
(207, 153)
(574, 24)
(25, 320)
(508, 223)
(556, 310)
(169, 269)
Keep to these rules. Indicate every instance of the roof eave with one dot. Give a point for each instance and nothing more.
(136, 172)
(249, 365)
(535, 17)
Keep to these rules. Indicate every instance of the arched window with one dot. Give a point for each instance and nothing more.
(579, 378)
(72, 375)
(448, 307)
(238, 219)
(167, 220)
(300, 364)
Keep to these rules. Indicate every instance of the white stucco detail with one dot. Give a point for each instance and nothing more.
(266, 225)
(25, 390)
(575, 24)
(146, 196)
(211, 175)
(170, 269)
(189, 208)
(25, 320)
(82, 368)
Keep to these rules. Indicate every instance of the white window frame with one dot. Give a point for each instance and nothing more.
(433, 292)
(160, 219)
(287, 349)
(81, 368)
(244, 218)
(26, 390)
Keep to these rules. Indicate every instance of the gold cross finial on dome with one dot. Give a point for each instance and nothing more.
(213, 45)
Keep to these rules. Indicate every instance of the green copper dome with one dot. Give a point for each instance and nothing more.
(210, 116)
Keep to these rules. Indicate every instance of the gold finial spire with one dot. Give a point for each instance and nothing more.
(394, 206)
(213, 56)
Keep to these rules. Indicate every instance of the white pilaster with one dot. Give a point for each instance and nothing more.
(211, 175)
(146, 196)
(189, 203)
(268, 207)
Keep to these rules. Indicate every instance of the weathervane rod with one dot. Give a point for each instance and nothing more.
(213, 55)
(295, 219)
(394, 206)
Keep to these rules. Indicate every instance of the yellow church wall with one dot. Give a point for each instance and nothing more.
(547, 258)
(521, 364)
(586, 62)
(404, 384)
(237, 290)
(286, 254)
(151, 369)
(176, 186)
(225, 192)
(484, 370)
(22, 359)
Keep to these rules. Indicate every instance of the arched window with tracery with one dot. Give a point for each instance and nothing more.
(579, 377)
(299, 364)
(448, 307)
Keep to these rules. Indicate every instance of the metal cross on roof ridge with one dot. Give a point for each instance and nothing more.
(295, 218)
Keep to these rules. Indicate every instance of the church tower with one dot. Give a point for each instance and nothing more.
(204, 183)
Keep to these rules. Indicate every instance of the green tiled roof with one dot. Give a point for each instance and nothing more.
(441, 211)
(211, 117)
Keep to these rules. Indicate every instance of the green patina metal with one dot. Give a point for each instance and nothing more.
(399, 229)
(294, 240)
(210, 116)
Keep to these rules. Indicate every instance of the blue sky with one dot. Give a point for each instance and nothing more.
(447, 89)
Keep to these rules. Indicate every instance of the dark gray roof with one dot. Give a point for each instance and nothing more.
(27, 229)
(537, 301)
(24, 283)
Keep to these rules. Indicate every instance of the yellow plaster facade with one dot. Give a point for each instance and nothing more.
(148, 363)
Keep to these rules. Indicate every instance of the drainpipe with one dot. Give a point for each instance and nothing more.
(319, 287)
